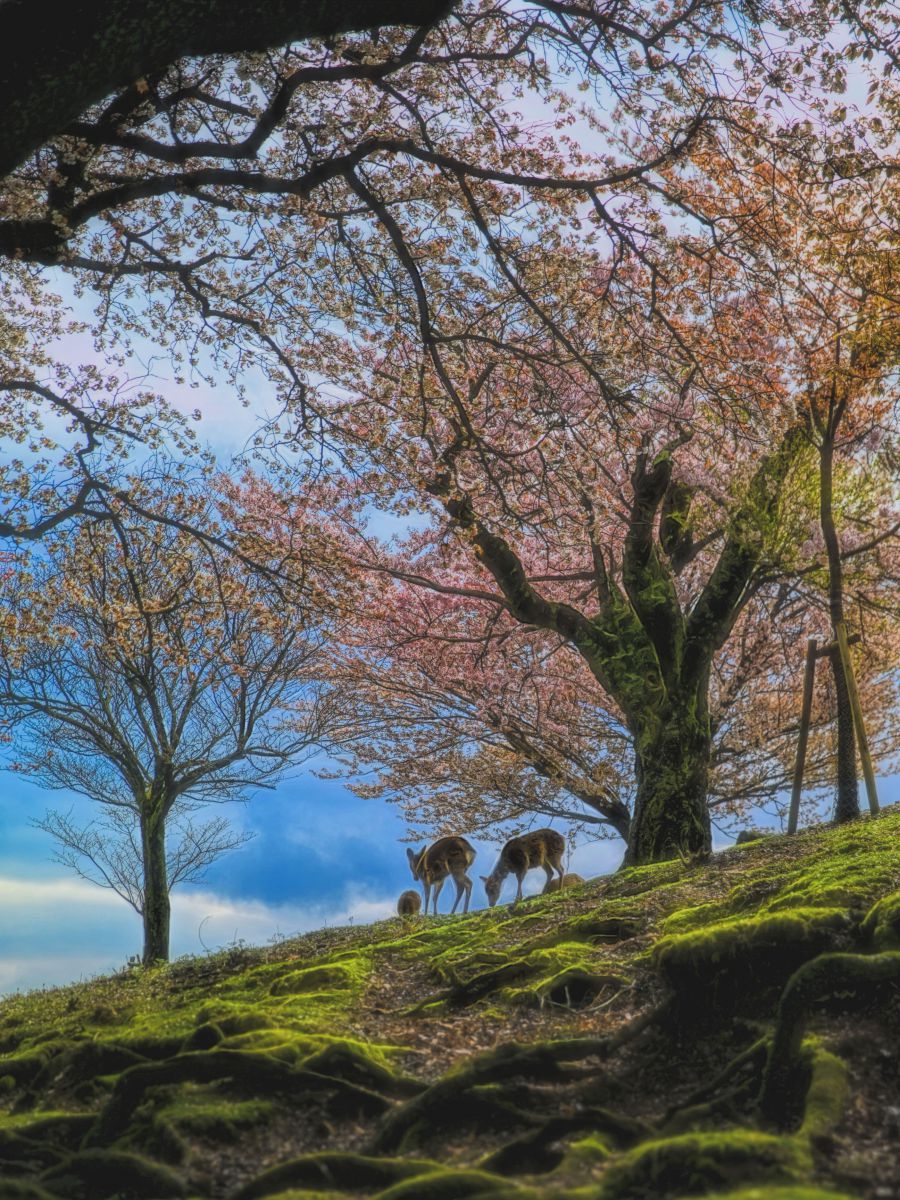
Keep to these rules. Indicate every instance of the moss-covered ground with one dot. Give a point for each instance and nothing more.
(726, 1029)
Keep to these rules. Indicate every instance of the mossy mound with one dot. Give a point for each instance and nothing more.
(749, 958)
(882, 923)
(702, 1162)
(563, 1051)
(113, 1175)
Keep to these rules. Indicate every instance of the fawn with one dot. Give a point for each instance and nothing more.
(543, 848)
(432, 864)
(557, 885)
(409, 904)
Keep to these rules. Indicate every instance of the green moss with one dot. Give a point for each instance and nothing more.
(305, 1194)
(745, 958)
(697, 916)
(701, 1162)
(576, 986)
(882, 923)
(58, 1128)
(827, 1095)
(206, 1112)
(314, 979)
(451, 1185)
(587, 1150)
(847, 867)
(204, 1037)
(288, 1014)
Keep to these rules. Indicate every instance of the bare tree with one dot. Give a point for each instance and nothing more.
(139, 671)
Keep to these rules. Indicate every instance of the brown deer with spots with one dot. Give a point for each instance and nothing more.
(543, 848)
(432, 864)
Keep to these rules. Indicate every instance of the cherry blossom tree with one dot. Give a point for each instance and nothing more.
(225, 206)
(630, 517)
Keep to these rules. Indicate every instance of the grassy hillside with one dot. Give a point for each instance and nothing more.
(726, 1028)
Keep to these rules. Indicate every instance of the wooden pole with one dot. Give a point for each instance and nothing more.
(809, 676)
(861, 739)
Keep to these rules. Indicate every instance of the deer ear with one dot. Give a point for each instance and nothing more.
(410, 855)
(484, 878)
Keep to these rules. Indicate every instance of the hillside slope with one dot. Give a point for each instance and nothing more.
(724, 1029)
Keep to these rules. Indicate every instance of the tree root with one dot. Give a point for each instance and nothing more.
(835, 983)
(97, 1174)
(543, 1061)
(258, 1073)
(471, 990)
(20, 1153)
(82, 1063)
(328, 1170)
(536, 1153)
(340, 1061)
(753, 1057)
(593, 929)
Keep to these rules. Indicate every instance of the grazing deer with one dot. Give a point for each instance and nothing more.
(432, 864)
(543, 848)
(409, 904)
(558, 885)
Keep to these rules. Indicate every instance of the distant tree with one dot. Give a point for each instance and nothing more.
(144, 674)
(824, 247)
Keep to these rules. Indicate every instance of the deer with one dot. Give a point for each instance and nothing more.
(432, 864)
(559, 885)
(542, 848)
(409, 904)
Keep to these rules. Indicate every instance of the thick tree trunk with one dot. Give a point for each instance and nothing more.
(671, 815)
(846, 804)
(69, 56)
(157, 910)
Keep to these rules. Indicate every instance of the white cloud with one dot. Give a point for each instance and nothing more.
(54, 931)
(200, 918)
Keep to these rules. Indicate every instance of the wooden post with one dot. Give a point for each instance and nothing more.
(862, 741)
(808, 679)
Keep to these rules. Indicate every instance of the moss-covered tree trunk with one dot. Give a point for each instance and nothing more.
(672, 761)
(156, 912)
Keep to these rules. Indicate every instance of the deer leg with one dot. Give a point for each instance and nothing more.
(459, 891)
(549, 871)
(467, 883)
(519, 879)
(437, 892)
(426, 888)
